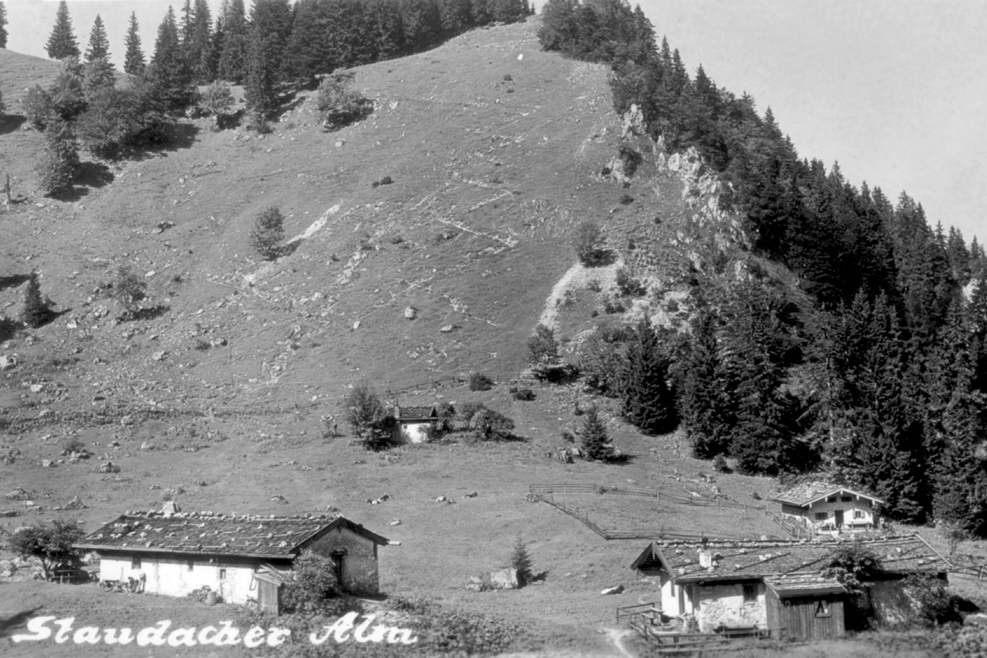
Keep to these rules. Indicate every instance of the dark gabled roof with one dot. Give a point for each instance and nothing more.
(755, 560)
(216, 534)
(808, 493)
(405, 414)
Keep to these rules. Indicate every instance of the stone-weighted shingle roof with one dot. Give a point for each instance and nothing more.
(811, 492)
(752, 560)
(216, 534)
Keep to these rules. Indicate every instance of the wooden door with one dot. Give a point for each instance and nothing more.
(268, 597)
(839, 518)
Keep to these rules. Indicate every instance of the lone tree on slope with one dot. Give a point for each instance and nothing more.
(36, 311)
(268, 233)
(596, 443)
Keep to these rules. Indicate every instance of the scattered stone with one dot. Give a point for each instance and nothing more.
(613, 590)
(8, 512)
(154, 487)
(16, 494)
(504, 579)
(158, 356)
(108, 467)
(356, 325)
(475, 584)
(279, 499)
(378, 501)
(47, 463)
(449, 328)
(44, 413)
(127, 420)
(201, 483)
(440, 499)
(8, 362)
(395, 522)
(472, 494)
(170, 507)
(410, 313)
(147, 445)
(75, 503)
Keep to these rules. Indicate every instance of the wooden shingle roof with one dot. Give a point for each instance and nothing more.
(405, 414)
(755, 560)
(216, 534)
(807, 493)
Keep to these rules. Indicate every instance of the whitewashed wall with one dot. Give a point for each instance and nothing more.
(724, 604)
(171, 576)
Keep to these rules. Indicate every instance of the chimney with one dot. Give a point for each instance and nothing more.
(705, 559)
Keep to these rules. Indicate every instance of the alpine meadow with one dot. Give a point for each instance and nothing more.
(491, 299)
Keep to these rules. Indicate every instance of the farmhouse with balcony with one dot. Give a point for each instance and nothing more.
(175, 554)
(414, 424)
(781, 587)
(829, 508)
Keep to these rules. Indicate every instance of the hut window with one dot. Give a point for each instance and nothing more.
(222, 574)
(191, 565)
(846, 499)
(135, 562)
(822, 609)
(750, 593)
(831, 499)
(820, 516)
(858, 514)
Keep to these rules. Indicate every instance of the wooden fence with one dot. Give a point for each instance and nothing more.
(698, 643)
(544, 493)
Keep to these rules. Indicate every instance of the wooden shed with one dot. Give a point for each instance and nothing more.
(270, 583)
(807, 606)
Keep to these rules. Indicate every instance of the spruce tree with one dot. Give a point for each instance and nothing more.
(236, 39)
(169, 72)
(36, 311)
(56, 169)
(596, 443)
(268, 233)
(99, 45)
(97, 74)
(269, 33)
(199, 49)
(62, 43)
(134, 63)
(706, 405)
(645, 390)
(521, 562)
(3, 25)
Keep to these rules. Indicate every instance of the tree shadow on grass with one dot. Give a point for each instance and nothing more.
(9, 328)
(87, 175)
(13, 280)
(10, 123)
(289, 248)
(148, 313)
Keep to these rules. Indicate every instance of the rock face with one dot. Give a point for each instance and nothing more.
(504, 579)
(612, 590)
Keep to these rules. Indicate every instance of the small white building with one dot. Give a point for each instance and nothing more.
(830, 508)
(175, 554)
(414, 424)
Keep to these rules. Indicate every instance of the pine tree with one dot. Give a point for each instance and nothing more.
(169, 72)
(236, 39)
(99, 45)
(521, 562)
(647, 396)
(36, 311)
(134, 63)
(3, 25)
(56, 169)
(97, 74)
(596, 443)
(268, 233)
(62, 43)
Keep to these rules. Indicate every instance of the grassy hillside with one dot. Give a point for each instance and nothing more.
(496, 151)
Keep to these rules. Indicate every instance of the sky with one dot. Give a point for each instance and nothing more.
(893, 90)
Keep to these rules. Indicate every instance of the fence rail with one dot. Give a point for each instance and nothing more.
(647, 493)
(545, 496)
